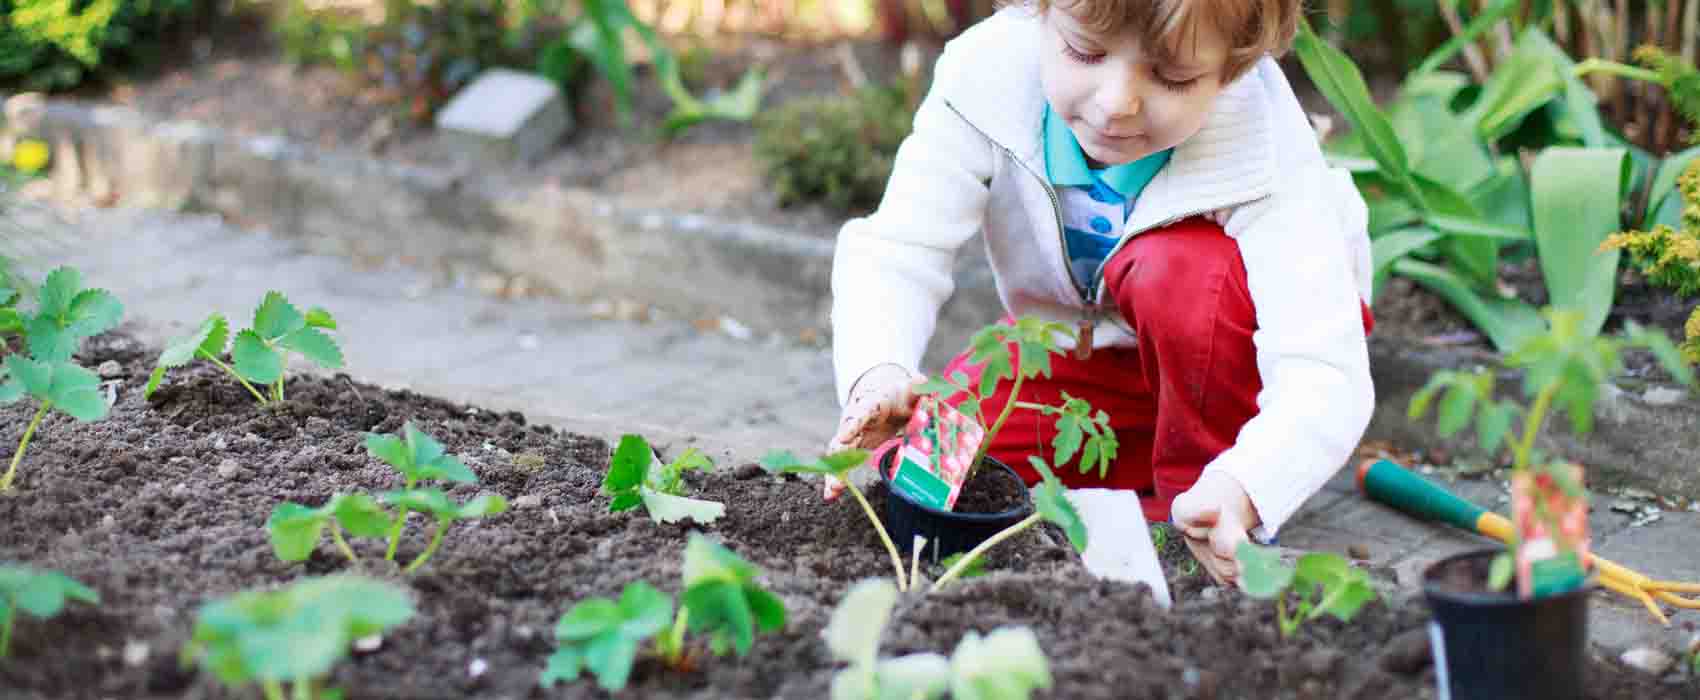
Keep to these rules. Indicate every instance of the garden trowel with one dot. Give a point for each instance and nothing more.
(1118, 543)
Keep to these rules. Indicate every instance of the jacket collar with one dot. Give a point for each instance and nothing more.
(1230, 161)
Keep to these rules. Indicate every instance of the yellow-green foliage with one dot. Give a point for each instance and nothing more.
(1681, 81)
(837, 149)
(1670, 257)
(49, 44)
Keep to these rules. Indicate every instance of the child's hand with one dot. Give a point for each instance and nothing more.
(880, 405)
(1214, 517)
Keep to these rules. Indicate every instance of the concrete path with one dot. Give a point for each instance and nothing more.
(729, 392)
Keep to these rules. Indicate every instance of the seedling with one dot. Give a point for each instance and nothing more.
(1563, 369)
(295, 529)
(838, 465)
(603, 636)
(446, 511)
(295, 634)
(418, 457)
(1323, 582)
(635, 477)
(1079, 429)
(42, 594)
(720, 598)
(65, 315)
(258, 354)
(1005, 665)
(1051, 504)
(973, 569)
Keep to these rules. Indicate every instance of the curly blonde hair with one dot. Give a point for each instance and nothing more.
(1252, 28)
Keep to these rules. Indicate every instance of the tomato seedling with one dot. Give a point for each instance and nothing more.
(636, 478)
(1051, 505)
(1323, 582)
(258, 354)
(42, 594)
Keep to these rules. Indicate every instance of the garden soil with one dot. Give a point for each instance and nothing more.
(160, 508)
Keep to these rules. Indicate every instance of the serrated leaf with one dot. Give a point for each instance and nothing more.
(360, 515)
(61, 286)
(317, 317)
(563, 665)
(779, 461)
(10, 390)
(997, 368)
(254, 360)
(92, 312)
(1089, 457)
(432, 501)
(390, 449)
(1262, 574)
(1420, 401)
(1004, 665)
(707, 560)
(1320, 569)
(1053, 505)
(610, 658)
(11, 321)
(625, 501)
(209, 339)
(1493, 423)
(644, 610)
(667, 508)
(1345, 600)
(720, 608)
(36, 378)
(853, 633)
(937, 386)
(769, 610)
(76, 392)
(844, 460)
(314, 345)
(422, 449)
(48, 341)
(1666, 352)
(294, 530)
(626, 469)
(276, 317)
(588, 619)
(970, 408)
(1067, 441)
(1455, 408)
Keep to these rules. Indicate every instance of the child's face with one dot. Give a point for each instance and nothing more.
(1120, 102)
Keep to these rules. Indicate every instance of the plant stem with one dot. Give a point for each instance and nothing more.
(12, 471)
(273, 690)
(918, 544)
(304, 689)
(6, 628)
(986, 442)
(277, 389)
(962, 564)
(1596, 65)
(1287, 626)
(232, 371)
(890, 548)
(395, 530)
(673, 644)
(436, 539)
(1532, 424)
(342, 544)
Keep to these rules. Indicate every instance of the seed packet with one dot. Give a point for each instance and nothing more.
(1551, 513)
(937, 448)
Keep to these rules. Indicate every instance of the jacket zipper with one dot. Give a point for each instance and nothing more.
(1085, 326)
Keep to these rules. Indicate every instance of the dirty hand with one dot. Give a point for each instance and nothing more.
(880, 404)
(1214, 516)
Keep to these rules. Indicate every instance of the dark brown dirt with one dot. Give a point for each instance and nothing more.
(990, 491)
(136, 507)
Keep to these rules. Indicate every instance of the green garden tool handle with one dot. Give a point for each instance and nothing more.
(1384, 481)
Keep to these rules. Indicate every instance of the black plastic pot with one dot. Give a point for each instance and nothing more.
(1495, 645)
(947, 532)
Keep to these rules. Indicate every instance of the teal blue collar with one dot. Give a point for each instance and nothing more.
(1065, 163)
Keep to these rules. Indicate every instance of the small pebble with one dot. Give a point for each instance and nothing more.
(221, 444)
(135, 653)
(110, 369)
(524, 633)
(1321, 662)
(1359, 552)
(1648, 659)
(530, 500)
(228, 469)
(748, 471)
(367, 645)
(477, 668)
(1211, 593)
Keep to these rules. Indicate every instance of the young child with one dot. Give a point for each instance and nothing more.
(1140, 169)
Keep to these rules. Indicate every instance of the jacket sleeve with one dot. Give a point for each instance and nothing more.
(1312, 355)
(891, 270)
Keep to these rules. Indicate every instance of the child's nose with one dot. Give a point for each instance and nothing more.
(1120, 98)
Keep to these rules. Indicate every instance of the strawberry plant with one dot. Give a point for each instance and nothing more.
(1051, 505)
(1322, 582)
(636, 478)
(1004, 665)
(295, 529)
(258, 354)
(446, 511)
(721, 599)
(42, 594)
(65, 314)
(295, 634)
(838, 465)
(419, 458)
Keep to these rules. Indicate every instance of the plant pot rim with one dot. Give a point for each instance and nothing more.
(1025, 509)
(1492, 599)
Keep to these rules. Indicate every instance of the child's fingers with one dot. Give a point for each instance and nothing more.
(833, 488)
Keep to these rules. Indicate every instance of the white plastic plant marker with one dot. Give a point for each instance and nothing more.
(1118, 540)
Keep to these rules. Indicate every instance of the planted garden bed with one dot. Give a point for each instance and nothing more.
(161, 507)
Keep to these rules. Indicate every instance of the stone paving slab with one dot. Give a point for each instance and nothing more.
(667, 379)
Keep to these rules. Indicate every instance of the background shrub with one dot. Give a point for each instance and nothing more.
(838, 149)
(57, 44)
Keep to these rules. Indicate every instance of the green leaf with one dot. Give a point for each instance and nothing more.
(1493, 423)
(317, 317)
(924, 676)
(644, 610)
(276, 317)
(11, 321)
(1475, 257)
(937, 386)
(390, 449)
(854, 630)
(996, 369)
(432, 501)
(625, 501)
(1394, 246)
(482, 505)
(1479, 24)
(844, 460)
(611, 658)
(627, 467)
(707, 560)
(1420, 401)
(209, 339)
(53, 300)
(1507, 322)
(1051, 500)
(589, 619)
(667, 508)
(1665, 351)
(1456, 407)
(299, 631)
(1577, 195)
(294, 530)
(1261, 571)
(92, 312)
(1067, 441)
(1501, 571)
(314, 345)
(48, 341)
(36, 378)
(429, 461)
(360, 515)
(1664, 202)
(255, 360)
(720, 608)
(1338, 79)
(1346, 599)
(768, 608)
(75, 391)
(1004, 665)
(1522, 84)
(602, 41)
(41, 593)
(10, 389)
(563, 665)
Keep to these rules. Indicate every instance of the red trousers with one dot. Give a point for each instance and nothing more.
(1178, 398)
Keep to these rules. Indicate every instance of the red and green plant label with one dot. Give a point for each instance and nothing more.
(937, 451)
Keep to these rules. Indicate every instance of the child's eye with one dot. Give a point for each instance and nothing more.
(1176, 85)
(1081, 56)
